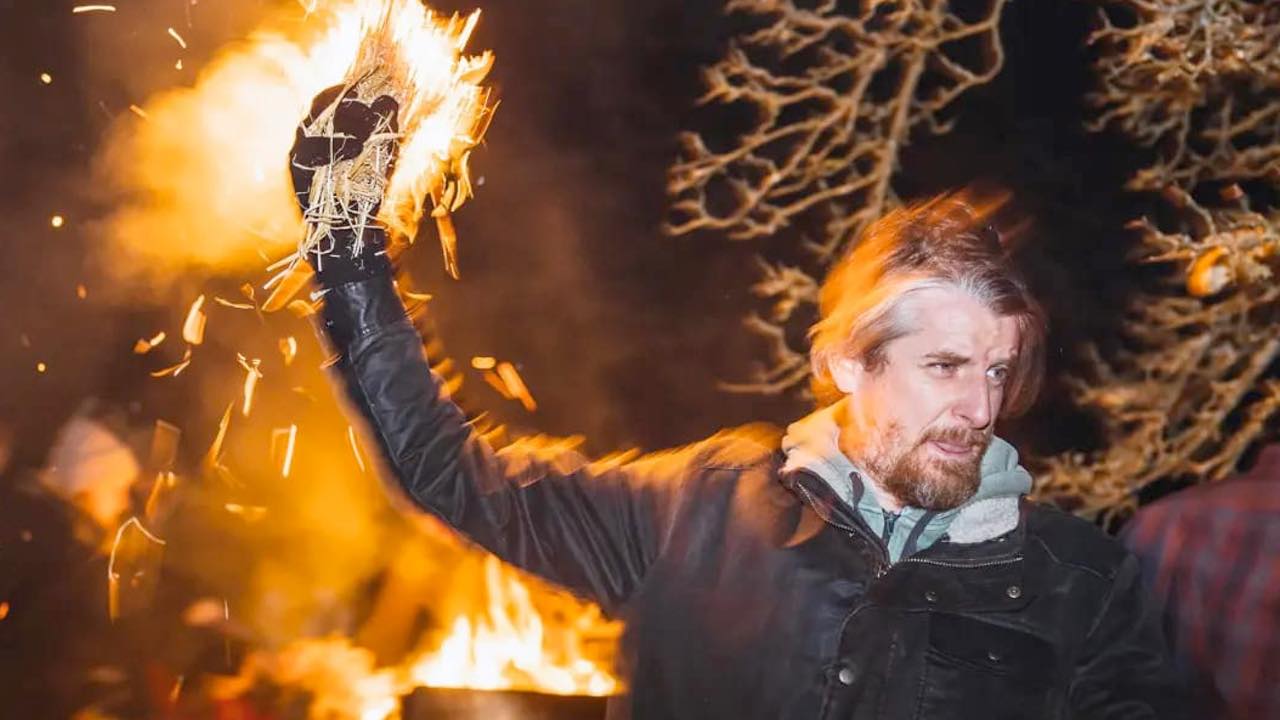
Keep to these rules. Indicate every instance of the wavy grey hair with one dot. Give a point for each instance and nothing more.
(941, 242)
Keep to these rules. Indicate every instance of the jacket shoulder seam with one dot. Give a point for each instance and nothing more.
(1067, 563)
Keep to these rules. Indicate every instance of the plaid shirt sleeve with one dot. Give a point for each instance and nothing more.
(1211, 557)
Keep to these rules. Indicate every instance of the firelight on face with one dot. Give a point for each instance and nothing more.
(920, 421)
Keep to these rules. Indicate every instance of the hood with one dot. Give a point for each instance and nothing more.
(812, 444)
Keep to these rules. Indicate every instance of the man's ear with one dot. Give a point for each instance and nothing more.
(847, 374)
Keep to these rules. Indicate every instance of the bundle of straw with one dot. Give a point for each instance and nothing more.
(416, 151)
(347, 193)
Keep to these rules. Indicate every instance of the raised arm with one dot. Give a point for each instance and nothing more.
(593, 530)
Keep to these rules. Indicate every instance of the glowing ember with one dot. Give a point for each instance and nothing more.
(483, 362)
(46, 78)
(178, 38)
(193, 327)
(56, 221)
(113, 578)
(250, 513)
(139, 112)
(515, 385)
(234, 305)
(176, 690)
(81, 291)
(41, 367)
(355, 447)
(144, 346)
(93, 8)
(177, 369)
(496, 383)
(251, 377)
(290, 442)
(215, 448)
(289, 349)
(4, 610)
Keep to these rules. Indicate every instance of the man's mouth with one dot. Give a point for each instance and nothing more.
(953, 450)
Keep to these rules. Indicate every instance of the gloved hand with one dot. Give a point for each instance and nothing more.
(353, 123)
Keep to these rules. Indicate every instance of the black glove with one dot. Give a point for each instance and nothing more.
(353, 123)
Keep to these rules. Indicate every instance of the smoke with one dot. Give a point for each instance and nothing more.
(198, 175)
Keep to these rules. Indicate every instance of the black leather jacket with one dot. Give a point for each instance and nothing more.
(753, 594)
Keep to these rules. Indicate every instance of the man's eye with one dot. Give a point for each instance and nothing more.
(945, 367)
(998, 375)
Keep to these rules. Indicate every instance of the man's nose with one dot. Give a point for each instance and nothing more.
(974, 406)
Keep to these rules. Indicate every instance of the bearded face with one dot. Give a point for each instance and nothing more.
(921, 419)
(918, 475)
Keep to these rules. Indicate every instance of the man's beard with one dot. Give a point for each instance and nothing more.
(919, 479)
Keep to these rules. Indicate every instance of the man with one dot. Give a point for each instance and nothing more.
(879, 561)
(1212, 555)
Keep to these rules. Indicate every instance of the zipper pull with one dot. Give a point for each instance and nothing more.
(890, 519)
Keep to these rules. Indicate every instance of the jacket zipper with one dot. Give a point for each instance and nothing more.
(885, 563)
(890, 519)
(943, 563)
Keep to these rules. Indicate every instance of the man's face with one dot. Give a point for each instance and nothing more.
(920, 422)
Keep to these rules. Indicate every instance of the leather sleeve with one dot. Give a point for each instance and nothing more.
(592, 530)
(1125, 671)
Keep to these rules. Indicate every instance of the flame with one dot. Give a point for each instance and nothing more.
(444, 109)
(505, 647)
(230, 133)
(499, 643)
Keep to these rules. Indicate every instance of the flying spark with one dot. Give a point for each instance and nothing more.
(144, 345)
(289, 349)
(288, 451)
(46, 78)
(251, 377)
(92, 8)
(355, 447)
(516, 385)
(175, 370)
(56, 221)
(193, 326)
(174, 34)
(113, 578)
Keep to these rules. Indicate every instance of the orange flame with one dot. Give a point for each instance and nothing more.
(504, 647)
(230, 135)
(500, 644)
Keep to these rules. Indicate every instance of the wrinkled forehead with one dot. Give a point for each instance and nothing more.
(948, 319)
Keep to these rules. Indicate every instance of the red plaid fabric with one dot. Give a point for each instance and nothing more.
(1212, 558)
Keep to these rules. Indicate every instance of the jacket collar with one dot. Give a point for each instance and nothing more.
(812, 444)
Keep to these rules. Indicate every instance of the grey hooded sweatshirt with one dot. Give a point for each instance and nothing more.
(812, 444)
